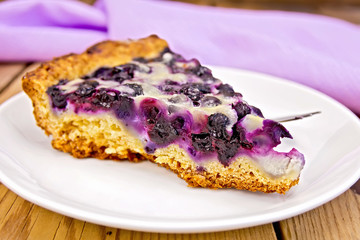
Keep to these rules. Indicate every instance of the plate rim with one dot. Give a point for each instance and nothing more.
(194, 226)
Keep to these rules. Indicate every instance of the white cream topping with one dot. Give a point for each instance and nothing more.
(71, 86)
(252, 122)
(277, 166)
(159, 73)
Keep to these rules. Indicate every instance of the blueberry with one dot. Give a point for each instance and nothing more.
(124, 72)
(103, 73)
(256, 111)
(163, 132)
(172, 109)
(204, 73)
(204, 88)
(196, 104)
(119, 73)
(124, 107)
(239, 135)
(201, 71)
(105, 98)
(151, 113)
(169, 89)
(178, 99)
(138, 90)
(151, 110)
(275, 131)
(210, 101)
(226, 150)
(86, 89)
(242, 109)
(178, 123)
(217, 125)
(202, 142)
(57, 98)
(195, 91)
(171, 82)
(192, 92)
(226, 90)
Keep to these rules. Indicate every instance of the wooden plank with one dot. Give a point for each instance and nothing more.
(29, 222)
(46, 225)
(95, 232)
(14, 221)
(70, 229)
(338, 219)
(15, 86)
(7, 200)
(348, 13)
(356, 187)
(3, 191)
(8, 71)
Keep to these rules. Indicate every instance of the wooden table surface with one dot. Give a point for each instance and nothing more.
(20, 219)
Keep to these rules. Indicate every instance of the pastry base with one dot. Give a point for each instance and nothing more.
(105, 137)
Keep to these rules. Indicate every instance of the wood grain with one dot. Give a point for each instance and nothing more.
(15, 218)
(7, 73)
(15, 86)
(338, 219)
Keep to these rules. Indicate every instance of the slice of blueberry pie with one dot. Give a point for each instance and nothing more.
(139, 100)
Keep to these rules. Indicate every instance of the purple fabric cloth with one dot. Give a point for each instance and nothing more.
(318, 51)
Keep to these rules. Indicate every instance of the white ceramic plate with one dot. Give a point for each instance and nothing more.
(143, 196)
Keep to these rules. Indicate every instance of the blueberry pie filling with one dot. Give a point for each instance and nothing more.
(139, 100)
(169, 100)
